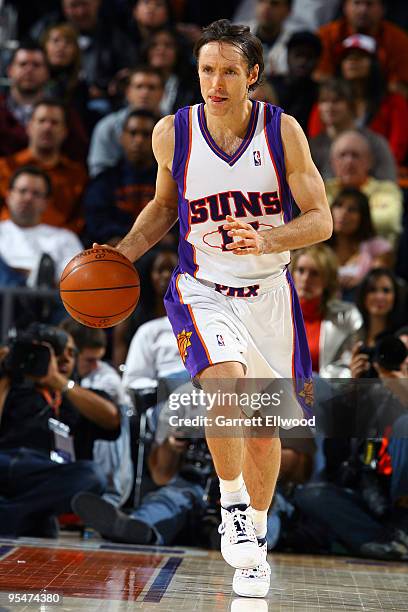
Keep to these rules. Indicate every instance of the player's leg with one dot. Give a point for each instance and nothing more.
(238, 543)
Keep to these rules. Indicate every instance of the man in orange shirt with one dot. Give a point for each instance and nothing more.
(47, 130)
(367, 17)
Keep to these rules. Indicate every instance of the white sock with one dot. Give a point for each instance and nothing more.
(260, 519)
(233, 492)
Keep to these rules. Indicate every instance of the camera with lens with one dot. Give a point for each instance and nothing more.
(29, 353)
(389, 353)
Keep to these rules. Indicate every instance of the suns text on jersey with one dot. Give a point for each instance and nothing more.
(217, 206)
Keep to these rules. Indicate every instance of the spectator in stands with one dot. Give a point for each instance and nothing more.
(60, 43)
(23, 238)
(331, 325)
(385, 113)
(34, 488)
(366, 17)
(351, 159)
(105, 48)
(47, 130)
(354, 242)
(165, 51)
(155, 277)
(112, 457)
(269, 26)
(336, 108)
(296, 90)
(29, 75)
(144, 91)
(116, 196)
(148, 16)
(381, 303)
(362, 503)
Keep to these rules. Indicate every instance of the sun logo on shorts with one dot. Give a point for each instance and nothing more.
(307, 392)
(183, 342)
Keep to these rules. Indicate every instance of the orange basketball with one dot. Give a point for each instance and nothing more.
(100, 287)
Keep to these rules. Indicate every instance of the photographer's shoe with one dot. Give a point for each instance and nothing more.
(110, 522)
(391, 546)
(254, 582)
(239, 545)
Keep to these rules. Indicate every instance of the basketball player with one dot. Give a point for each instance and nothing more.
(228, 169)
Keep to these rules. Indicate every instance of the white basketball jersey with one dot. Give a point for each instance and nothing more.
(250, 185)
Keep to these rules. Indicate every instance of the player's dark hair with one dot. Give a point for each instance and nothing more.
(240, 36)
(84, 337)
(142, 114)
(32, 171)
(53, 102)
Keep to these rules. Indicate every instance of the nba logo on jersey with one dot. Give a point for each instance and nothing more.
(220, 340)
(257, 158)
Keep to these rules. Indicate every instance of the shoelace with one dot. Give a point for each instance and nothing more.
(243, 527)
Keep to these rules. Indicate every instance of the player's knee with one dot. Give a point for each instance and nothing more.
(262, 446)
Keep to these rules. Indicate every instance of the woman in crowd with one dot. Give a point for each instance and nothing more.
(331, 325)
(166, 51)
(384, 112)
(63, 55)
(354, 241)
(337, 114)
(381, 302)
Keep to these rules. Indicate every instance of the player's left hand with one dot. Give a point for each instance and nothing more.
(247, 241)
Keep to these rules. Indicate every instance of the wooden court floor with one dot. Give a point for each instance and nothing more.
(95, 575)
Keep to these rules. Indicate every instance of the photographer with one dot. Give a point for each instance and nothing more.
(47, 431)
(182, 469)
(363, 502)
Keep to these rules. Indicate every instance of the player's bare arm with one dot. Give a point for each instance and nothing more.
(312, 226)
(160, 214)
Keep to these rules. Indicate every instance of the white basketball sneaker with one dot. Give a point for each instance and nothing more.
(254, 582)
(239, 544)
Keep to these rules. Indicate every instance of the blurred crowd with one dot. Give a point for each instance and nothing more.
(83, 83)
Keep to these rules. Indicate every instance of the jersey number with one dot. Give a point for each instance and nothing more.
(228, 239)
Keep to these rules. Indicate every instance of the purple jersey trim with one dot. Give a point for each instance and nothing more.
(229, 159)
(274, 141)
(182, 321)
(302, 363)
(182, 150)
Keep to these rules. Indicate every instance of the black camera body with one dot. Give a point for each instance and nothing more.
(389, 353)
(29, 353)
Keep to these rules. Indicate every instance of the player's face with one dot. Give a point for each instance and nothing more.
(308, 279)
(27, 200)
(224, 78)
(346, 216)
(88, 360)
(380, 297)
